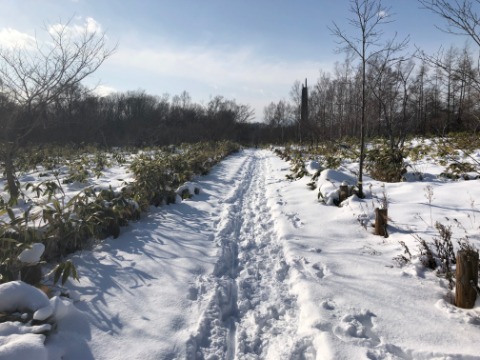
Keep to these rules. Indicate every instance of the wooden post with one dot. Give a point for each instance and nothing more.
(381, 220)
(343, 193)
(467, 278)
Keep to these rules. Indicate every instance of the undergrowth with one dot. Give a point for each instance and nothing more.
(68, 225)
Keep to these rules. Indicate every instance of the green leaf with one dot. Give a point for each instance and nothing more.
(10, 240)
(58, 272)
(11, 214)
(66, 272)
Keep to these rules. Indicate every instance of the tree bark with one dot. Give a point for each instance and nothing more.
(343, 195)
(467, 279)
(381, 220)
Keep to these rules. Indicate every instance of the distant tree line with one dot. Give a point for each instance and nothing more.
(417, 96)
(384, 90)
(378, 92)
(136, 118)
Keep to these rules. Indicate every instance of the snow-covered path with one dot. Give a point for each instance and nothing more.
(202, 279)
(256, 268)
(251, 312)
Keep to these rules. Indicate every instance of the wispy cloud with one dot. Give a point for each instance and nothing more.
(241, 73)
(103, 90)
(11, 38)
(89, 25)
(216, 67)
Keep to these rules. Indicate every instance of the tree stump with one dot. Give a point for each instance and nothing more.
(467, 279)
(381, 220)
(31, 274)
(343, 193)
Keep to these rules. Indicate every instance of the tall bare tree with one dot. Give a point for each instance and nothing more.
(368, 17)
(32, 78)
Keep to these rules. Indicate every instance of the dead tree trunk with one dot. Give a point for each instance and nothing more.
(303, 110)
(381, 220)
(467, 279)
(343, 195)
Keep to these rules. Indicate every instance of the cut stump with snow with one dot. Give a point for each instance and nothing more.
(344, 193)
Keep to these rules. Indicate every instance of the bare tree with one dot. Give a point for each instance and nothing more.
(243, 113)
(461, 15)
(32, 78)
(462, 18)
(278, 116)
(368, 16)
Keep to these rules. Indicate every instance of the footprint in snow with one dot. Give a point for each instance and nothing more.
(358, 328)
(328, 304)
(320, 270)
(294, 219)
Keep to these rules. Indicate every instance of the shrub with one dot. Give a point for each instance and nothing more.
(72, 225)
(385, 164)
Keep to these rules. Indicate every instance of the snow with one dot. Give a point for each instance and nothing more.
(33, 254)
(24, 346)
(329, 182)
(19, 296)
(255, 267)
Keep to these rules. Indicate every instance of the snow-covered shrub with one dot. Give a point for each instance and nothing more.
(66, 224)
(187, 190)
(297, 170)
(157, 175)
(385, 164)
(457, 170)
(62, 234)
(329, 183)
(459, 154)
(152, 178)
(440, 254)
(16, 235)
(19, 296)
(282, 154)
(78, 171)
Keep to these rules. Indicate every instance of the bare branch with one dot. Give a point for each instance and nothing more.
(34, 78)
(461, 16)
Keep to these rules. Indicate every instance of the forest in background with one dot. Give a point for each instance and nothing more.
(381, 91)
(408, 97)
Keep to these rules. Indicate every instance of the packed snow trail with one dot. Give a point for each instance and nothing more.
(251, 313)
(254, 267)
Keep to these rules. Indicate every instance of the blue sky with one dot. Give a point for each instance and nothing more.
(248, 50)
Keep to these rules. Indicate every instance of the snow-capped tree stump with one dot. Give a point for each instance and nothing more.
(343, 195)
(381, 220)
(467, 279)
(31, 274)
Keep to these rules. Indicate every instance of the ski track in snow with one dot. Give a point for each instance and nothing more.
(251, 313)
(255, 268)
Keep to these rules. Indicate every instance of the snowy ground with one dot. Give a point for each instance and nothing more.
(256, 268)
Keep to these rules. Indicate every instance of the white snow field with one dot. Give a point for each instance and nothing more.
(254, 267)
